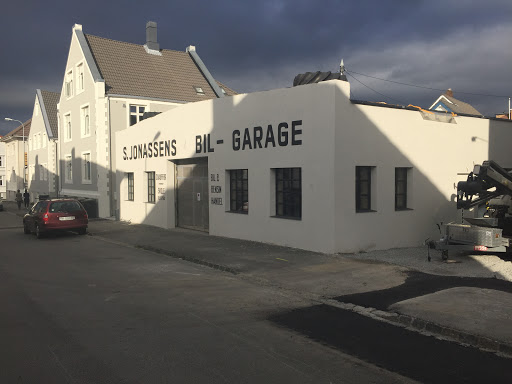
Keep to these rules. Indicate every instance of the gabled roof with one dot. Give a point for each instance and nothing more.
(451, 104)
(49, 107)
(129, 70)
(18, 132)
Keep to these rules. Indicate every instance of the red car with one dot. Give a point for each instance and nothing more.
(56, 215)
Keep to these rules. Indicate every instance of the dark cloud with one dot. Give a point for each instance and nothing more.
(260, 45)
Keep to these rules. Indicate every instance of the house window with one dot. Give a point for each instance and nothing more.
(239, 190)
(151, 187)
(85, 121)
(289, 192)
(41, 172)
(86, 166)
(69, 84)
(0, 161)
(401, 188)
(67, 126)
(199, 90)
(69, 169)
(136, 112)
(80, 74)
(130, 186)
(1, 180)
(363, 189)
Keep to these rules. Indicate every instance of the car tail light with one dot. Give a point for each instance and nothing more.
(45, 217)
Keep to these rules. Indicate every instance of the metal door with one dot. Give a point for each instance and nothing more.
(192, 196)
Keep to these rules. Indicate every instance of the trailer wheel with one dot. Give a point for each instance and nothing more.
(444, 255)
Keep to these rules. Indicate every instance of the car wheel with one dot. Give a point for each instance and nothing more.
(82, 231)
(26, 230)
(39, 234)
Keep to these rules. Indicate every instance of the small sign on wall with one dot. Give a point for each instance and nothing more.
(198, 197)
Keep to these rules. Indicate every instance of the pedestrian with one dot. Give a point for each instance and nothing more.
(26, 198)
(19, 199)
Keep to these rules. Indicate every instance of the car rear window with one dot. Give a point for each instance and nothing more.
(65, 206)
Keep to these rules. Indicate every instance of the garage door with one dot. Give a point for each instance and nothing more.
(192, 196)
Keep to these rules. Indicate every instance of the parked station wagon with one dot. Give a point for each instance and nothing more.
(56, 215)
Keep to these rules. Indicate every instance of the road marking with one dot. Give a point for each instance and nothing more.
(278, 258)
(187, 273)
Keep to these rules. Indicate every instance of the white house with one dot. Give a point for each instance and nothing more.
(108, 86)
(3, 180)
(42, 146)
(15, 159)
(304, 167)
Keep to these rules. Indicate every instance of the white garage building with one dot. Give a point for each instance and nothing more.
(303, 167)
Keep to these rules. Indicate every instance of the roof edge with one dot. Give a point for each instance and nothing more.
(206, 73)
(45, 115)
(86, 50)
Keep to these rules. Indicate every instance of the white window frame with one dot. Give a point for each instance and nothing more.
(84, 167)
(68, 130)
(68, 169)
(137, 113)
(83, 132)
(68, 85)
(80, 77)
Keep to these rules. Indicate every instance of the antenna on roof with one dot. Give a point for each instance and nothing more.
(342, 67)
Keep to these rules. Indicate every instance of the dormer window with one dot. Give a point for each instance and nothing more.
(199, 90)
(69, 84)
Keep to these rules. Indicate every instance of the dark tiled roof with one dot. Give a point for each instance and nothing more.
(18, 131)
(458, 106)
(51, 99)
(129, 70)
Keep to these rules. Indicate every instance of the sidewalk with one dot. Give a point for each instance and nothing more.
(463, 311)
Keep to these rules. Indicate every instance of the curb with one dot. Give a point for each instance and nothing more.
(161, 251)
(428, 328)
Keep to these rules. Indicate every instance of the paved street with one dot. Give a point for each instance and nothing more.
(99, 309)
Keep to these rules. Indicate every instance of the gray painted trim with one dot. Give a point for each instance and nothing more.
(88, 55)
(206, 73)
(45, 115)
(146, 98)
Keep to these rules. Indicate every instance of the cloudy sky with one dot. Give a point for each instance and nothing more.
(258, 45)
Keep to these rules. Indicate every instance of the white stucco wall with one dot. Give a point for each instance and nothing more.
(3, 187)
(336, 136)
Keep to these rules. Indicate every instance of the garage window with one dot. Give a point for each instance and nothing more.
(239, 190)
(151, 187)
(288, 192)
(401, 192)
(364, 189)
(129, 176)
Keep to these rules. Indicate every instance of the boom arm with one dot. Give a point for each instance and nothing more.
(484, 177)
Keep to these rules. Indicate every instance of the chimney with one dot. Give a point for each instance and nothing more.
(449, 92)
(151, 40)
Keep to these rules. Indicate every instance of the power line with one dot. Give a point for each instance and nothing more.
(359, 81)
(420, 86)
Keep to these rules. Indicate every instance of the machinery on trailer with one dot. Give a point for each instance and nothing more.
(491, 185)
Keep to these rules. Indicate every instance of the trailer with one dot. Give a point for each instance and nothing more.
(491, 185)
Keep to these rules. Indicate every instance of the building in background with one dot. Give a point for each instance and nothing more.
(42, 146)
(447, 103)
(109, 86)
(16, 149)
(3, 180)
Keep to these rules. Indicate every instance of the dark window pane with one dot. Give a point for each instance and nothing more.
(239, 196)
(288, 192)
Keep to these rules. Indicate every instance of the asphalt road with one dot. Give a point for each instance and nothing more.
(78, 310)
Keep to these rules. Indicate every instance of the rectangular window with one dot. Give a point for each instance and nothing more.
(239, 190)
(67, 126)
(401, 188)
(363, 189)
(85, 121)
(69, 169)
(86, 166)
(80, 79)
(0, 161)
(130, 186)
(289, 192)
(151, 187)
(136, 112)
(1, 180)
(69, 84)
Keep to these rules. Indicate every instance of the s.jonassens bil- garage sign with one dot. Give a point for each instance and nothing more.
(283, 135)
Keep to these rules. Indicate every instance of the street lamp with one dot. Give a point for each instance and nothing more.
(23, 129)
